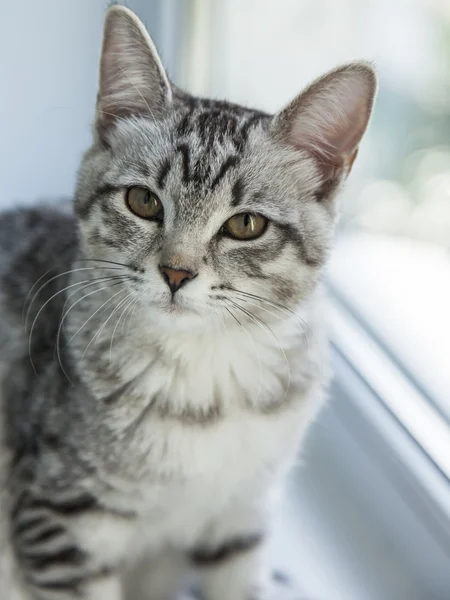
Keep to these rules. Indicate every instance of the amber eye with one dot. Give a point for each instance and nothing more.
(245, 226)
(144, 203)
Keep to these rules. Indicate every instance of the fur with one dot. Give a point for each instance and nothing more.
(145, 431)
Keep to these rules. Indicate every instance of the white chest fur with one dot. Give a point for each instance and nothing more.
(194, 474)
(264, 393)
(212, 368)
(182, 469)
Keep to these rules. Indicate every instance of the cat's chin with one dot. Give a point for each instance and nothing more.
(175, 309)
(176, 314)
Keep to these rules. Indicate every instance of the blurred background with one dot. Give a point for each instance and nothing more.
(368, 513)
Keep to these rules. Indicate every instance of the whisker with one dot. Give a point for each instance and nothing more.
(270, 312)
(234, 316)
(91, 283)
(261, 307)
(31, 291)
(53, 279)
(100, 330)
(254, 318)
(93, 314)
(300, 321)
(131, 314)
(109, 262)
(130, 311)
(40, 311)
(303, 324)
(58, 337)
(78, 291)
(272, 303)
(221, 320)
(252, 339)
(127, 306)
(265, 327)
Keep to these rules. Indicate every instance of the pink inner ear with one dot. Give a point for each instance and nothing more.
(329, 119)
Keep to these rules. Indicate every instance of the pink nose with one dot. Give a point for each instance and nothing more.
(175, 278)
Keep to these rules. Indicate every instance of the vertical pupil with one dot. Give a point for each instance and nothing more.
(246, 220)
(146, 198)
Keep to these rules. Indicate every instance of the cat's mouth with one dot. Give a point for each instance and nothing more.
(177, 307)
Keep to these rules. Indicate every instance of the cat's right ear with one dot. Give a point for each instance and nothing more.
(133, 81)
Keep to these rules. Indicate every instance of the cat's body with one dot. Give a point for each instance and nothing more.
(162, 483)
(145, 428)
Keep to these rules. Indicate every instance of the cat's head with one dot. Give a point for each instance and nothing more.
(212, 205)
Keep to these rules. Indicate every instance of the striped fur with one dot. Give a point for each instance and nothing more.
(144, 431)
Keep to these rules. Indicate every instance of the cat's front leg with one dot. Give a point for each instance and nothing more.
(158, 575)
(67, 548)
(105, 588)
(234, 570)
(231, 559)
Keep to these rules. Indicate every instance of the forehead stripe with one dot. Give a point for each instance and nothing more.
(228, 163)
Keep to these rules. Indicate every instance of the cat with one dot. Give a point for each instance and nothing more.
(163, 349)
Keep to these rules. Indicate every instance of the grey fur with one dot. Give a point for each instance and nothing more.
(77, 420)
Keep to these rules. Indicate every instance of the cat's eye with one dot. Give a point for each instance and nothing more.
(144, 203)
(245, 226)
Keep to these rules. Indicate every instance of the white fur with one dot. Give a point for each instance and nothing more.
(208, 482)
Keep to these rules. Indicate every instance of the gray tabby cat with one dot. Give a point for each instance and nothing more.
(173, 353)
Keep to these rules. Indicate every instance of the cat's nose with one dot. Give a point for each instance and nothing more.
(175, 278)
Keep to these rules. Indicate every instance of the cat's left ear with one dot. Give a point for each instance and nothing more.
(133, 81)
(330, 117)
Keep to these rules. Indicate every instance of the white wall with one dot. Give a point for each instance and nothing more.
(48, 74)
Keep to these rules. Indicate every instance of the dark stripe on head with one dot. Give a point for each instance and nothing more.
(206, 557)
(230, 124)
(253, 120)
(230, 162)
(163, 172)
(184, 126)
(191, 101)
(237, 192)
(185, 157)
(144, 169)
(206, 129)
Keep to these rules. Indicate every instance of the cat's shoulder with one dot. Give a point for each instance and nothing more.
(20, 226)
(33, 234)
(34, 240)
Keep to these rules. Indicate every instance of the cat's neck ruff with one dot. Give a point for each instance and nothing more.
(207, 370)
